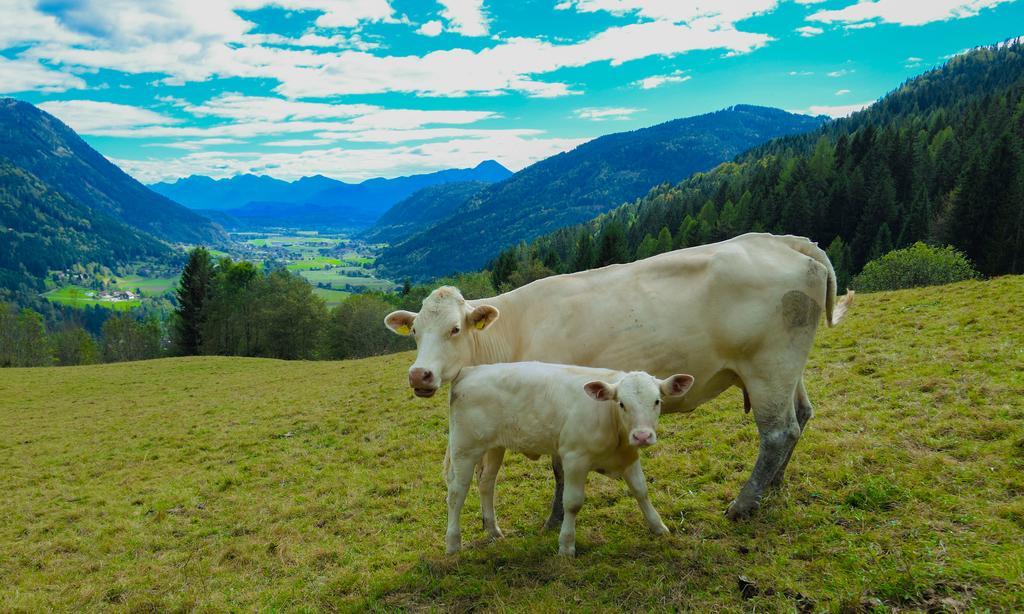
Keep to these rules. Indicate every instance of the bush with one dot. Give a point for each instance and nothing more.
(915, 266)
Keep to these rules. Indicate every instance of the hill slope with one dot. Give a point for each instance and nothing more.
(940, 159)
(577, 185)
(423, 209)
(313, 201)
(42, 145)
(244, 484)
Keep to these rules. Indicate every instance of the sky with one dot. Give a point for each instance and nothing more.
(354, 89)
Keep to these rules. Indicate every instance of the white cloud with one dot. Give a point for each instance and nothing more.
(431, 28)
(833, 110)
(842, 92)
(800, 73)
(22, 75)
(842, 72)
(676, 11)
(465, 16)
(301, 143)
(196, 40)
(90, 116)
(514, 152)
(809, 31)
(196, 144)
(649, 83)
(604, 113)
(914, 60)
(860, 26)
(905, 13)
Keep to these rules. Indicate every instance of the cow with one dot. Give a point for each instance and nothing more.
(593, 419)
(742, 312)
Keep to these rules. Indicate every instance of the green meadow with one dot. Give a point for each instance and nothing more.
(76, 296)
(150, 286)
(230, 484)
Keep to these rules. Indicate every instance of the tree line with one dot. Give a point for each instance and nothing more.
(940, 160)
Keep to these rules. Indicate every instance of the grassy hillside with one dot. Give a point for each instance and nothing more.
(257, 484)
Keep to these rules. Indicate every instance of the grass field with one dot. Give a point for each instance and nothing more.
(313, 263)
(331, 297)
(338, 277)
(241, 484)
(75, 296)
(150, 286)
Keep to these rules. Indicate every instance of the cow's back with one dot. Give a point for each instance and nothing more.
(695, 310)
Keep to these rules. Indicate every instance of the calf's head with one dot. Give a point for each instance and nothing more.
(444, 330)
(640, 396)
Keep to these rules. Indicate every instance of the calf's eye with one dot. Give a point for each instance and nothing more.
(455, 331)
(657, 402)
(621, 405)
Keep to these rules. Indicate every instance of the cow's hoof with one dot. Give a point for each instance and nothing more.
(495, 533)
(660, 530)
(738, 510)
(552, 524)
(568, 552)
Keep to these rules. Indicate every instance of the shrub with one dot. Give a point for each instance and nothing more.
(915, 266)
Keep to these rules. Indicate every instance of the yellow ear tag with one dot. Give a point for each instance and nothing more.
(480, 324)
(402, 330)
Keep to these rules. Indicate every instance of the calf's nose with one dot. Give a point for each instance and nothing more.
(643, 437)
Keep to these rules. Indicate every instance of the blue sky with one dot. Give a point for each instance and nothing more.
(355, 89)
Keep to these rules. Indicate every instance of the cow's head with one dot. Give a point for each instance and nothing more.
(639, 396)
(444, 330)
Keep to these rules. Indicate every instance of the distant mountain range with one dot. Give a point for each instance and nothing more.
(316, 201)
(62, 203)
(423, 209)
(575, 186)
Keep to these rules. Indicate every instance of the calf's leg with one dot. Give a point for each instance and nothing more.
(492, 462)
(634, 476)
(459, 478)
(775, 415)
(572, 499)
(555, 518)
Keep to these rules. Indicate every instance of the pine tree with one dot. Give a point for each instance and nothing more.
(193, 292)
(612, 246)
(647, 247)
(664, 243)
(586, 254)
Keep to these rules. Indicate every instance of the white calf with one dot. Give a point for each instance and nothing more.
(594, 419)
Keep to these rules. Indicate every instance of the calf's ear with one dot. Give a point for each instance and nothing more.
(400, 322)
(483, 316)
(600, 391)
(677, 385)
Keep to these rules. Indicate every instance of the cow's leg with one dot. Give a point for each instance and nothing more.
(775, 415)
(555, 518)
(572, 500)
(460, 476)
(804, 411)
(492, 463)
(634, 477)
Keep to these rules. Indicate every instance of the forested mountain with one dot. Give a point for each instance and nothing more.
(939, 159)
(577, 185)
(423, 209)
(42, 145)
(313, 201)
(62, 203)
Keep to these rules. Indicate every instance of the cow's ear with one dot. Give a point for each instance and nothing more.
(482, 317)
(400, 322)
(676, 386)
(600, 391)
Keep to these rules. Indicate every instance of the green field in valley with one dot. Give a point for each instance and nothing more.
(231, 484)
(332, 297)
(150, 286)
(313, 263)
(77, 296)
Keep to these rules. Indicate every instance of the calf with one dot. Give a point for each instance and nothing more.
(594, 419)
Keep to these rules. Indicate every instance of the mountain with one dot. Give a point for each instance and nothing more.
(313, 201)
(940, 160)
(43, 146)
(577, 185)
(62, 203)
(423, 209)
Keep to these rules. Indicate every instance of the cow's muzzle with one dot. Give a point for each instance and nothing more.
(422, 382)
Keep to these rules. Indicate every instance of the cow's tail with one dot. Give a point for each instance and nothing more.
(835, 307)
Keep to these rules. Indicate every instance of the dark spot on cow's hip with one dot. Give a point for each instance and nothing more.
(799, 310)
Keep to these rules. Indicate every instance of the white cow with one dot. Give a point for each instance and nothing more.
(742, 312)
(593, 419)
